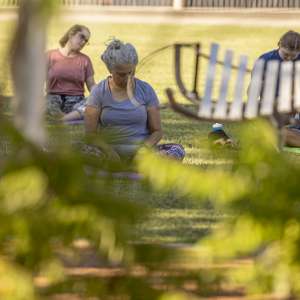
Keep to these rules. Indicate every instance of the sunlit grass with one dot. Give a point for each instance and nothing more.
(177, 225)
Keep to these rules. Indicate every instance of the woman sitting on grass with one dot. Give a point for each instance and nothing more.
(126, 108)
(67, 71)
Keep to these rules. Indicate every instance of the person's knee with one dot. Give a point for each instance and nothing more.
(71, 102)
(53, 107)
(291, 137)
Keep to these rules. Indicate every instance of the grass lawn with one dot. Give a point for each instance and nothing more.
(174, 219)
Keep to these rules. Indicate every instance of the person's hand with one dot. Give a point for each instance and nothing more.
(112, 155)
(106, 149)
(226, 143)
(223, 142)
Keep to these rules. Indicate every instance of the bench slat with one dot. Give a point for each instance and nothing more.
(221, 107)
(205, 106)
(269, 88)
(236, 109)
(285, 87)
(254, 90)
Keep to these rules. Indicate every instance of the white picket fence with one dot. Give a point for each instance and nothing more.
(186, 3)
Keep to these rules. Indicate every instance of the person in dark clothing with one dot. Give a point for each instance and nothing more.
(288, 50)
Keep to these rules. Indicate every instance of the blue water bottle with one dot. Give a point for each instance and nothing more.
(218, 133)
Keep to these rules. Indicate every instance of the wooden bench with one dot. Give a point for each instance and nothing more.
(240, 106)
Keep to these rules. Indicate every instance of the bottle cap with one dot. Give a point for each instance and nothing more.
(217, 126)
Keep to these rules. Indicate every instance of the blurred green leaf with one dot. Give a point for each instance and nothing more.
(22, 189)
(15, 284)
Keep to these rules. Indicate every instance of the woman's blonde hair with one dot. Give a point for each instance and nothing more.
(71, 32)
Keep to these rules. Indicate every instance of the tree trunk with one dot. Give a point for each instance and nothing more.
(28, 69)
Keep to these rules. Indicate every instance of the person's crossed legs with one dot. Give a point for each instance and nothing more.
(291, 136)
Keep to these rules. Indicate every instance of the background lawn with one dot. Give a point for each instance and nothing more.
(174, 218)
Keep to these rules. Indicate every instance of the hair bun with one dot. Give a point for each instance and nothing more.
(118, 53)
(115, 44)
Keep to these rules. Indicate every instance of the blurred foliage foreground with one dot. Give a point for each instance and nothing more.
(52, 213)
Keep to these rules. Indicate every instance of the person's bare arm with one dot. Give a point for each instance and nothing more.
(91, 119)
(90, 82)
(71, 116)
(154, 125)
